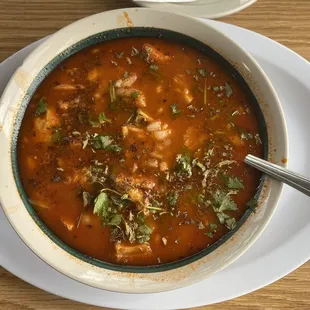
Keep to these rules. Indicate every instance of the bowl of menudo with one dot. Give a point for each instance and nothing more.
(123, 137)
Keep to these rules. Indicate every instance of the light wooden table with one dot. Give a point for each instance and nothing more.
(23, 22)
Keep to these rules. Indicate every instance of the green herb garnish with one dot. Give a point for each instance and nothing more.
(173, 198)
(112, 92)
(106, 143)
(235, 183)
(135, 94)
(246, 136)
(184, 165)
(228, 90)
(41, 107)
(154, 67)
(175, 110)
(57, 136)
(202, 72)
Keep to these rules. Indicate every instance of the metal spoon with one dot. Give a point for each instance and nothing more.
(286, 176)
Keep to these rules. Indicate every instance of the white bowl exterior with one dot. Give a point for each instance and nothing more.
(79, 270)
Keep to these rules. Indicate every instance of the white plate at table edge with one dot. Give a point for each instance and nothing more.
(210, 9)
(249, 272)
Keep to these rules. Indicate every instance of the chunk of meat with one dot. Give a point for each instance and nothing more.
(136, 96)
(180, 85)
(135, 187)
(65, 105)
(68, 87)
(138, 132)
(126, 82)
(31, 163)
(194, 138)
(93, 75)
(124, 182)
(44, 126)
(154, 55)
(78, 177)
(130, 253)
(236, 140)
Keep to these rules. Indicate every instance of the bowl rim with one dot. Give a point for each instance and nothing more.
(72, 26)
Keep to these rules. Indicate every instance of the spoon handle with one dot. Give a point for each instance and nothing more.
(286, 176)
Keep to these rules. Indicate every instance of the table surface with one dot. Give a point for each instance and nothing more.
(23, 22)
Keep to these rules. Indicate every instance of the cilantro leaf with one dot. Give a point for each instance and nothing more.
(235, 183)
(102, 118)
(228, 90)
(173, 198)
(41, 107)
(213, 227)
(102, 205)
(86, 199)
(57, 136)
(143, 233)
(246, 136)
(175, 109)
(252, 203)
(223, 202)
(135, 94)
(203, 72)
(230, 223)
(106, 143)
(153, 67)
(184, 165)
(115, 220)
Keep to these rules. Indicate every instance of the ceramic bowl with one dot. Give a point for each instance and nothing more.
(105, 26)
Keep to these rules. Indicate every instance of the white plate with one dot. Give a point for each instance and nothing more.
(201, 8)
(282, 247)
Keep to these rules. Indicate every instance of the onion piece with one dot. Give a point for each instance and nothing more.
(161, 134)
(155, 126)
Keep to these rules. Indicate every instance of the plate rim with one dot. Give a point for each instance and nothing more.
(173, 8)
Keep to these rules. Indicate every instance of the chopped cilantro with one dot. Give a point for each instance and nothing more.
(173, 198)
(41, 107)
(201, 226)
(154, 67)
(119, 55)
(86, 199)
(175, 110)
(202, 72)
(230, 223)
(184, 166)
(228, 90)
(115, 220)
(234, 183)
(102, 205)
(112, 92)
(223, 202)
(197, 163)
(105, 142)
(57, 136)
(101, 120)
(144, 233)
(135, 94)
(213, 227)
(209, 234)
(252, 203)
(246, 136)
